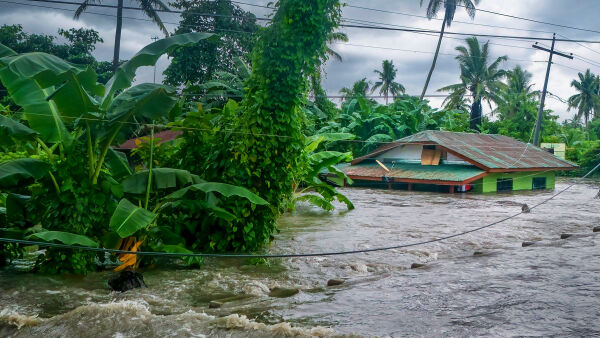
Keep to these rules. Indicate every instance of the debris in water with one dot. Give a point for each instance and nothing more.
(334, 282)
(525, 208)
(416, 265)
(596, 229)
(217, 303)
(565, 236)
(526, 243)
(126, 280)
(478, 253)
(280, 292)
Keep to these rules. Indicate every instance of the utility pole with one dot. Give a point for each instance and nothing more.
(538, 124)
(154, 38)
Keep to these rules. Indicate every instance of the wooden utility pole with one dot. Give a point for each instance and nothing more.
(538, 124)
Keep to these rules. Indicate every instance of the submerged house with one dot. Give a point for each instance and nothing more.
(451, 161)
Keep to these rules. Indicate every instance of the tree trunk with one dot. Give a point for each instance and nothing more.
(118, 35)
(435, 56)
(475, 122)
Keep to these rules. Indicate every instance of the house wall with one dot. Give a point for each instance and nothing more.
(412, 152)
(521, 180)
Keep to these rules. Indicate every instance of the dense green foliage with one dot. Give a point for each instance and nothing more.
(200, 63)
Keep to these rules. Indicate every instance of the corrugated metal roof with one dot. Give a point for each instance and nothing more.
(489, 151)
(416, 171)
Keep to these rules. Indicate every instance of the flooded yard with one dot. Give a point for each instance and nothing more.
(550, 288)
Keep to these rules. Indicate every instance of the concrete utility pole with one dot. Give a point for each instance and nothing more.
(538, 124)
(154, 38)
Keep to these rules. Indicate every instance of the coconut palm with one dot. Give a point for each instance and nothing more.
(148, 7)
(588, 100)
(450, 8)
(386, 83)
(516, 93)
(479, 78)
(359, 89)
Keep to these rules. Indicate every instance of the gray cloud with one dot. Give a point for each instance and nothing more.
(360, 62)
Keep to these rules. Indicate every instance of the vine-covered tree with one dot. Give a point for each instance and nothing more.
(479, 78)
(199, 63)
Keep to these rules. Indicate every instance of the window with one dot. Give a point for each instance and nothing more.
(429, 146)
(538, 183)
(504, 184)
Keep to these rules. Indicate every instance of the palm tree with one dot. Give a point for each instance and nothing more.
(588, 100)
(516, 93)
(359, 89)
(386, 81)
(478, 78)
(147, 6)
(450, 8)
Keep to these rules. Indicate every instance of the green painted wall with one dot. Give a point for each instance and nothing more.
(521, 180)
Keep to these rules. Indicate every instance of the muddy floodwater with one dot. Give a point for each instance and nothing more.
(550, 288)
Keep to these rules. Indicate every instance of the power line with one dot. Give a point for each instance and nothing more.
(414, 30)
(330, 253)
(533, 20)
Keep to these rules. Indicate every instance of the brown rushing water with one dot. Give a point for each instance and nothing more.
(552, 288)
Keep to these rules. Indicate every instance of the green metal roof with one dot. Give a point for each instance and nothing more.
(488, 151)
(416, 171)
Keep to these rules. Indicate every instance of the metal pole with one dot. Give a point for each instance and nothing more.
(154, 38)
(538, 124)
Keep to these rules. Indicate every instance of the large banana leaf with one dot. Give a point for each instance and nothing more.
(315, 200)
(43, 115)
(148, 56)
(224, 189)
(116, 162)
(13, 173)
(129, 218)
(5, 51)
(15, 206)
(324, 159)
(12, 130)
(64, 237)
(144, 102)
(162, 178)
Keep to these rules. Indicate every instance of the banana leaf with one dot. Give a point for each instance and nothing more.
(315, 200)
(13, 130)
(5, 51)
(64, 238)
(129, 218)
(162, 178)
(15, 207)
(117, 164)
(224, 189)
(14, 173)
(148, 56)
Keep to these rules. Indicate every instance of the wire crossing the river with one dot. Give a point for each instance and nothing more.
(316, 254)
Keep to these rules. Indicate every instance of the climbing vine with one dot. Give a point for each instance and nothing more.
(264, 150)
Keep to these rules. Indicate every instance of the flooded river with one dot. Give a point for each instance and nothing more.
(550, 288)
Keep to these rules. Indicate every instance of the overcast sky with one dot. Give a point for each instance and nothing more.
(411, 53)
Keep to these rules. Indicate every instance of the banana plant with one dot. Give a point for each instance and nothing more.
(62, 104)
(311, 185)
(155, 188)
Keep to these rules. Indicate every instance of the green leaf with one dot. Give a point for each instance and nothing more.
(15, 206)
(5, 51)
(224, 189)
(43, 116)
(319, 161)
(331, 137)
(116, 162)
(129, 218)
(144, 103)
(64, 237)
(315, 200)
(148, 56)
(162, 178)
(12, 130)
(13, 173)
